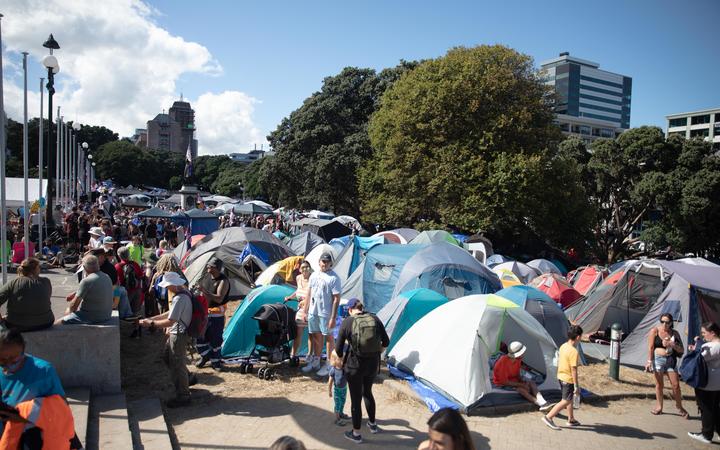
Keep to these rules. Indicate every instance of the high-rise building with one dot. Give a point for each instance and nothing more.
(703, 124)
(173, 131)
(590, 103)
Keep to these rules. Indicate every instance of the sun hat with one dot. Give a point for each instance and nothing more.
(109, 240)
(516, 349)
(326, 257)
(97, 231)
(171, 279)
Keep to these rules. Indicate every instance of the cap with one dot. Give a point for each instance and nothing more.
(353, 303)
(109, 240)
(326, 257)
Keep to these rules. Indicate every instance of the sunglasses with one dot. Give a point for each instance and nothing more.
(665, 321)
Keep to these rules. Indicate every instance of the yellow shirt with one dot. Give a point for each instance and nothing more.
(568, 357)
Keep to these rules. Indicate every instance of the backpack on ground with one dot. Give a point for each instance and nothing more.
(693, 369)
(131, 278)
(365, 337)
(199, 320)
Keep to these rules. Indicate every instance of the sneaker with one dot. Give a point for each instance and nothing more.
(573, 423)
(313, 364)
(217, 366)
(340, 422)
(203, 360)
(699, 437)
(356, 438)
(192, 380)
(345, 416)
(178, 402)
(546, 406)
(550, 423)
(374, 429)
(324, 370)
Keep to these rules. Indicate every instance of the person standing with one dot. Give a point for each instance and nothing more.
(567, 373)
(366, 337)
(708, 397)
(324, 294)
(176, 321)
(302, 282)
(130, 276)
(209, 345)
(665, 348)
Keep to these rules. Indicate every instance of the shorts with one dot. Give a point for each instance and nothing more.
(567, 390)
(662, 364)
(75, 318)
(317, 324)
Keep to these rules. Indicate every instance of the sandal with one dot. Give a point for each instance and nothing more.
(656, 412)
(573, 423)
(683, 413)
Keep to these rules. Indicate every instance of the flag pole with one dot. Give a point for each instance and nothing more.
(3, 192)
(40, 170)
(26, 216)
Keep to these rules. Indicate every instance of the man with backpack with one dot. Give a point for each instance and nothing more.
(208, 345)
(367, 339)
(177, 320)
(130, 276)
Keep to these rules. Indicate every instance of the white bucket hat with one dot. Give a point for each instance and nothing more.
(171, 279)
(516, 349)
(97, 231)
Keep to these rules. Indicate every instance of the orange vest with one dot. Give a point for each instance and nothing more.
(51, 414)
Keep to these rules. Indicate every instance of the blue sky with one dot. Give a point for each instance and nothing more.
(245, 65)
(279, 52)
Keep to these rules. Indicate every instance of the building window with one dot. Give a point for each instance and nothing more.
(679, 122)
(576, 129)
(584, 129)
(700, 133)
(564, 127)
(698, 120)
(607, 133)
(677, 133)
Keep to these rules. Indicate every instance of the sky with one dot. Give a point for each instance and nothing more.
(245, 65)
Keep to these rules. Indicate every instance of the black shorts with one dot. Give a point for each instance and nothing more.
(568, 390)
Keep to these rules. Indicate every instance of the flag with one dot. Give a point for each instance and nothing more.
(189, 161)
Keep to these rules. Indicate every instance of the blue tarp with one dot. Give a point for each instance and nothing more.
(434, 400)
(254, 250)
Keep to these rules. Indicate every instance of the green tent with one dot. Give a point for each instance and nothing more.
(432, 236)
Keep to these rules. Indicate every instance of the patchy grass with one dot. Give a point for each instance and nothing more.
(595, 378)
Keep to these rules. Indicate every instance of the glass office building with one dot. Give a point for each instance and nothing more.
(590, 102)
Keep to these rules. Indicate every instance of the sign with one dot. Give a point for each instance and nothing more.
(614, 350)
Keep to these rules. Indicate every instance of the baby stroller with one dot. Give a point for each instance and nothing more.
(272, 345)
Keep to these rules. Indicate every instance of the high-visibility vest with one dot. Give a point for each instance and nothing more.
(51, 414)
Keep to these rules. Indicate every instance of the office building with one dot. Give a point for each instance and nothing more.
(703, 124)
(172, 131)
(590, 103)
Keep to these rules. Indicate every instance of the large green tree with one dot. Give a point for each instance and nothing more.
(320, 146)
(127, 164)
(467, 141)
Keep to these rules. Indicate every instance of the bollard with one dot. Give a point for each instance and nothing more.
(615, 335)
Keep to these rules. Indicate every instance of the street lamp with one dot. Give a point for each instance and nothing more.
(92, 176)
(50, 62)
(83, 169)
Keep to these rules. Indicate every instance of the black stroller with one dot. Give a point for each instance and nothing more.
(272, 345)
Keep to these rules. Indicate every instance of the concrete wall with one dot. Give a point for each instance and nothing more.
(83, 355)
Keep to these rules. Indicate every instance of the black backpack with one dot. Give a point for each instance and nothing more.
(365, 339)
(131, 279)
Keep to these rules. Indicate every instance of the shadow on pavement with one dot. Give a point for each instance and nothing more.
(623, 431)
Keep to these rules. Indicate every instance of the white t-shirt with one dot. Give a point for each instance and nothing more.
(180, 312)
(323, 285)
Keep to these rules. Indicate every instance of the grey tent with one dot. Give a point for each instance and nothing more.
(691, 295)
(251, 209)
(269, 247)
(326, 229)
(155, 212)
(304, 242)
(542, 308)
(544, 266)
(624, 297)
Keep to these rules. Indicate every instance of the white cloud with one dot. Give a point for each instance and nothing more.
(118, 68)
(224, 123)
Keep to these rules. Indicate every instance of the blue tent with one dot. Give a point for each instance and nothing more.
(495, 259)
(407, 308)
(353, 253)
(541, 307)
(240, 332)
(201, 222)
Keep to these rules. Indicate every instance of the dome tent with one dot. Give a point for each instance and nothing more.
(432, 236)
(557, 288)
(398, 235)
(542, 308)
(407, 308)
(544, 266)
(472, 330)
(524, 272)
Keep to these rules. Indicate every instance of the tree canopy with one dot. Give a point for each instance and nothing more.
(128, 164)
(467, 140)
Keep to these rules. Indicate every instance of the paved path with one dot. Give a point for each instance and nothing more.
(63, 283)
(222, 419)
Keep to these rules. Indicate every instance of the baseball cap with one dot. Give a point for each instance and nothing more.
(326, 257)
(353, 303)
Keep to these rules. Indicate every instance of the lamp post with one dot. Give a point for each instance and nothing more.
(83, 166)
(50, 62)
(92, 174)
(89, 177)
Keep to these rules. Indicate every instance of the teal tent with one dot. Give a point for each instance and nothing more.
(239, 335)
(407, 308)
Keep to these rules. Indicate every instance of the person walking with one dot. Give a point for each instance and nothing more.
(708, 396)
(567, 373)
(176, 321)
(665, 348)
(324, 294)
(209, 345)
(367, 339)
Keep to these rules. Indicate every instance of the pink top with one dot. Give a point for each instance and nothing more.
(18, 251)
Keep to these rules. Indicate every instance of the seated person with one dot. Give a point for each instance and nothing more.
(506, 374)
(28, 299)
(93, 301)
(32, 386)
(53, 253)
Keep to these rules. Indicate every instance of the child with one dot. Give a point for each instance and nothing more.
(337, 387)
(568, 378)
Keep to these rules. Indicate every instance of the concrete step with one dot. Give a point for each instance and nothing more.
(108, 426)
(79, 401)
(147, 422)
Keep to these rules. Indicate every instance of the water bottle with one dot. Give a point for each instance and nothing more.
(669, 350)
(576, 400)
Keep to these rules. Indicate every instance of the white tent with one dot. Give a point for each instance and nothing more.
(15, 191)
(449, 349)
(524, 272)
